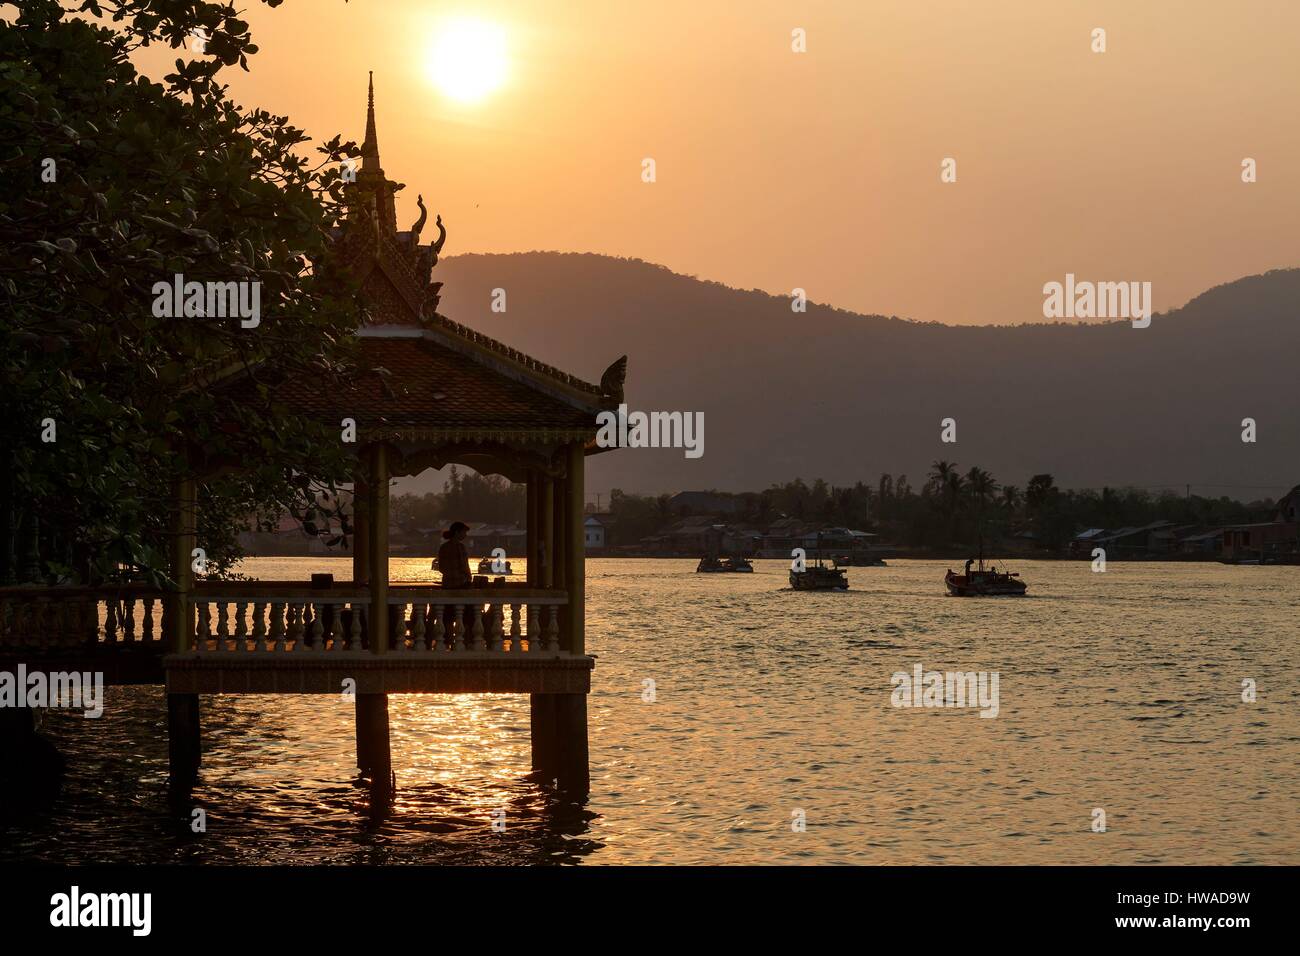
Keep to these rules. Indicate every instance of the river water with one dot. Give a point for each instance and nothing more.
(1118, 691)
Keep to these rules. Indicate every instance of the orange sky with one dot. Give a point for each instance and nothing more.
(821, 170)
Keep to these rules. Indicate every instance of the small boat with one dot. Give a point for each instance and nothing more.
(712, 565)
(818, 577)
(859, 560)
(984, 582)
(485, 567)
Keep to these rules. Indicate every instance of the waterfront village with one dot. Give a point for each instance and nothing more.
(895, 522)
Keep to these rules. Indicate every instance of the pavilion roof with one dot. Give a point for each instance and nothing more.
(417, 385)
(421, 372)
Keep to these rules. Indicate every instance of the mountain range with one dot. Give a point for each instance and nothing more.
(842, 396)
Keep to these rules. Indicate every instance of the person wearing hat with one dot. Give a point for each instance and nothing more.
(453, 562)
(453, 557)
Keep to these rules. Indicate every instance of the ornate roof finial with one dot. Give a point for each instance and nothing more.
(370, 148)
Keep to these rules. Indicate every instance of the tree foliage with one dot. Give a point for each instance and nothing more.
(114, 182)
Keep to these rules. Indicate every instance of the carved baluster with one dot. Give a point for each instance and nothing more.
(336, 627)
(128, 620)
(90, 621)
(260, 642)
(317, 627)
(552, 633)
(223, 624)
(297, 631)
(356, 626)
(417, 628)
(397, 626)
(493, 630)
(277, 626)
(110, 620)
(435, 642)
(241, 626)
(205, 626)
(477, 631)
(534, 634)
(147, 624)
(458, 627)
(515, 620)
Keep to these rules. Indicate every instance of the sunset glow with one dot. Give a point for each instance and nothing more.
(469, 59)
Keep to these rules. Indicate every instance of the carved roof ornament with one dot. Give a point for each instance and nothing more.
(395, 274)
(611, 383)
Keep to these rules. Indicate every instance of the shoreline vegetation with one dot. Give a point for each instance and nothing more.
(949, 516)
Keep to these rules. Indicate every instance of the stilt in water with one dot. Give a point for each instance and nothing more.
(31, 768)
(559, 737)
(374, 753)
(542, 726)
(184, 740)
(573, 772)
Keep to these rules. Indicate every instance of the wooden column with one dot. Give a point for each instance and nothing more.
(542, 726)
(361, 528)
(546, 523)
(184, 737)
(178, 607)
(531, 521)
(569, 711)
(572, 770)
(184, 740)
(558, 566)
(378, 549)
(575, 553)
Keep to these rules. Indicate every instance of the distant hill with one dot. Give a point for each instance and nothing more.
(843, 396)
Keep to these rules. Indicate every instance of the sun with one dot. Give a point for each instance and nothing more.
(468, 61)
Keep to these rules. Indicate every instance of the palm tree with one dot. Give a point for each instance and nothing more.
(1010, 499)
(941, 473)
(981, 486)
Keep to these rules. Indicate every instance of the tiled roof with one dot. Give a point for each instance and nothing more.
(431, 387)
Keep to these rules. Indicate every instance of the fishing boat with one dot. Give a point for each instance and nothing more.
(983, 582)
(713, 565)
(485, 567)
(819, 577)
(858, 559)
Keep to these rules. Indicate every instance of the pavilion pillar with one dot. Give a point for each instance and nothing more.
(378, 481)
(572, 771)
(361, 528)
(557, 534)
(184, 739)
(531, 522)
(361, 576)
(546, 525)
(575, 552)
(374, 754)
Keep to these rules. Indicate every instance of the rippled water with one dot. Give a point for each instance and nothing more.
(1119, 691)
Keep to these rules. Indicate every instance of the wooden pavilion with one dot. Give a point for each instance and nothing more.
(434, 393)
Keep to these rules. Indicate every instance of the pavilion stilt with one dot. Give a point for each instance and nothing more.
(542, 725)
(572, 771)
(184, 739)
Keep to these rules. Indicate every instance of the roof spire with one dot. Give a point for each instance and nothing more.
(370, 148)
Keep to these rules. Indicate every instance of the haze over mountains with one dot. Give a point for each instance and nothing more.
(842, 396)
